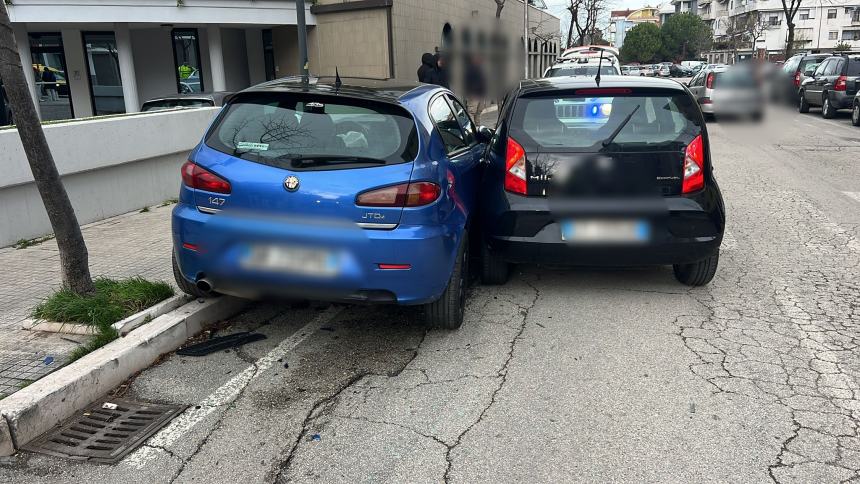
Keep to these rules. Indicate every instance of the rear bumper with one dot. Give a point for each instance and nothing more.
(841, 100)
(221, 243)
(684, 230)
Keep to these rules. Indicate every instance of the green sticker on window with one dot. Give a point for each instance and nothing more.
(247, 145)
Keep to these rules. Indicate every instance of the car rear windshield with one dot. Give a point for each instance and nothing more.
(589, 70)
(581, 121)
(734, 78)
(853, 67)
(312, 131)
(176, 103)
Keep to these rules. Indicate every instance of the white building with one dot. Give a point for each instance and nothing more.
(104, 59)
(820, 25)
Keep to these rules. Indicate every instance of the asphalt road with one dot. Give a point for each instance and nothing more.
(561, 375)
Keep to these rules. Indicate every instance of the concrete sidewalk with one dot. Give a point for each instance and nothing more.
(134, 244)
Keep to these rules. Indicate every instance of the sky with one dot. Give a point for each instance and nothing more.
(557, 8)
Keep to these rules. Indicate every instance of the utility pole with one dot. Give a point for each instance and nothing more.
(303, 38)
(526, 36)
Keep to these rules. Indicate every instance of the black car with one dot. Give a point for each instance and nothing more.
(618, 174)
(832, 85)
(795, 70)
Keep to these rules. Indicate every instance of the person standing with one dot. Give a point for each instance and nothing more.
(427, 69)
(475, 84)
(442, 78)
(50, 83)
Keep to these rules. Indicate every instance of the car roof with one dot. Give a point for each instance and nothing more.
(550, 84)
(210, 96)
(390, 90)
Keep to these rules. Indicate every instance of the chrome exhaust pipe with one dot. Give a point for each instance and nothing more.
(204, 285)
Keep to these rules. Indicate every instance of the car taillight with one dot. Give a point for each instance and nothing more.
(841, 84)
(195, 176)
(797, 79)
(694, 166)
(705, 100)
(515, 167)
(415, 194)
(709, 82)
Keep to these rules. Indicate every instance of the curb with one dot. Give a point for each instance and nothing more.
(32, 411)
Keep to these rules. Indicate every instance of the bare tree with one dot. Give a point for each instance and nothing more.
(500, 4)
(74, 262)
(583, 17)
(790, 8)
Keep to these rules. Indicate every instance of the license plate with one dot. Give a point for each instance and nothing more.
(292, 260)
(605, 231)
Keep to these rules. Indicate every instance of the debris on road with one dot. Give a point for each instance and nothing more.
(221, 343)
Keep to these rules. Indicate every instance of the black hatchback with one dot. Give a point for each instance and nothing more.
(618, 174)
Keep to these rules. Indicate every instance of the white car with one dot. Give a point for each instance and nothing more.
(585, 66)
(631, 71)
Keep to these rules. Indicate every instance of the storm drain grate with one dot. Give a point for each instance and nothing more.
(106, 431)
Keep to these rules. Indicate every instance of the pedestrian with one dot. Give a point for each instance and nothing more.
(442, 78)
(475, 85)
(50, 83)
(427, 69)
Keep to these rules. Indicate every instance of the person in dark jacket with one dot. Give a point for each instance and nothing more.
(427, 69)
(475, 84)
(442, 78)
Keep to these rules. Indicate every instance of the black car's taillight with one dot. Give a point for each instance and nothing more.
(694, 166)
(515, 168)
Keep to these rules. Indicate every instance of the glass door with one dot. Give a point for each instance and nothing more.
(49, 69)
(103, 71)
(186, 54)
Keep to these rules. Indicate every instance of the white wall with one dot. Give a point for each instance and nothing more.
(108, 166)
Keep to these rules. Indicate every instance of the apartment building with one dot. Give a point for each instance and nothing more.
(820, 26)
(621, 21)
(91, 57)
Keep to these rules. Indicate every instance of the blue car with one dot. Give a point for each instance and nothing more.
(348, 190)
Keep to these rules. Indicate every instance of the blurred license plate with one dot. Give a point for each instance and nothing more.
(607, 231)
(293, 260)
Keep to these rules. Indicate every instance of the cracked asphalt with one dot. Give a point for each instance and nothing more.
(562, 374)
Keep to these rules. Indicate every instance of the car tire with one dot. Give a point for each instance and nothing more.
(855, 114)
(494, 269)
(447, 311)
(183, 284)
(826, 108)
(802, 105)
(698, 273)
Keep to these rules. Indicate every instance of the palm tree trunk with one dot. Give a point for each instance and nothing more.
(73, 252)
(789, 43)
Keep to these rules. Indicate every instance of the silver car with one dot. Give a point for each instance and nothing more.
(728, 91)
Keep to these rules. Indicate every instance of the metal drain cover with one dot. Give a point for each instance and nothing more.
(106, 431)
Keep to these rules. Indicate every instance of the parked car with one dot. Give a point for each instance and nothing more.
(733, 91)
(359, 190)
(646, 70)
(855, 110)
(792, 74)
(676, 70)
(832, 86)
(199, 100)
(663, 70)
(633, 71)
(585, 66)
(627, 180)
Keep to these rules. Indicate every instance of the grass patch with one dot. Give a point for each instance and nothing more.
(112, 301)
(144, 210)
(169, 201)
(24, 243)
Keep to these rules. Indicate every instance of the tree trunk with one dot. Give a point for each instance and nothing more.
(73, 252)
(500, 4)
(789, 43)
(570, 35)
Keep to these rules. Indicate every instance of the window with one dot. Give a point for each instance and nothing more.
(268, 55)
(855, 15)
(831, 13)
(804, 15)
(186, 55)
(773, 20)
(447, 124)
(851, 35)
(830, 68)
(821, 67)
(833, 35)
(49, 69)
(103, 71)
(465, 120)
(314, 132)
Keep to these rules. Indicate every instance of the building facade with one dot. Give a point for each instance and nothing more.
(820, 26)
(91, 59)
(621, 21)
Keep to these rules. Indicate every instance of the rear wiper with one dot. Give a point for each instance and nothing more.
(608, 141)
(333, 160)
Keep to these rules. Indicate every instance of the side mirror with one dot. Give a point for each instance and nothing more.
(485, 134)
(809, 71)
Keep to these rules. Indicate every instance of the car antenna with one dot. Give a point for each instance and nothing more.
(599, 63)
(337, 81)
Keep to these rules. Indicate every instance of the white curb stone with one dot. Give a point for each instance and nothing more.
(40, 406)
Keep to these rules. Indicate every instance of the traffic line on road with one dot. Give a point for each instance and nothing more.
(853, 195)
(226, 393)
